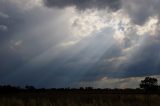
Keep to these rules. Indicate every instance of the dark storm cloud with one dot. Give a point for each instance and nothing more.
(84, 4)
(19, 44)
(141, 10)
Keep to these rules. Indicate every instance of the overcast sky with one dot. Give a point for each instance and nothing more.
(73, 43)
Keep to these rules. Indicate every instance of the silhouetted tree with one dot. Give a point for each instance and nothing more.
(149, 84)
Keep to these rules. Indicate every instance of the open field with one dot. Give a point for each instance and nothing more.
(83, 98)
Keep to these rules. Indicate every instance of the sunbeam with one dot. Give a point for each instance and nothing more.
(51, 43)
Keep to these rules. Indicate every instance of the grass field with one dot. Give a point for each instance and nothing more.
(78, 99)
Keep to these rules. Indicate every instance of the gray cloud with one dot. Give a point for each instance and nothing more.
(2, 15)
(141, 10)
(3, 28)
(146, 61)
(84, 4)
(27, 35)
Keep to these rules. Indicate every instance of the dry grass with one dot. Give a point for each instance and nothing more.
(78, 99)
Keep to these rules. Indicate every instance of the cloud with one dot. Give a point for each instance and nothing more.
(141, 10)
(3, 28)
(84, 4)
(39, 28)
(3, 15)
(131, 82)
(145, 61)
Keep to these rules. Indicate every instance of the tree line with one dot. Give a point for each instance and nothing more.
(149, 84)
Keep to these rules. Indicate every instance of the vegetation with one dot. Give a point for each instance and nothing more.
(30, 96)
(149, 84)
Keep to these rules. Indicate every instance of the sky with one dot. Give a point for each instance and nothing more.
(74, 43)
